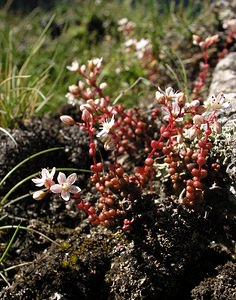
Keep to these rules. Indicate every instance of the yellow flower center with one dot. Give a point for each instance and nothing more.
(66, 186)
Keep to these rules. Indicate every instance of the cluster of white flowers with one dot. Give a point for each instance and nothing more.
(64, 187)
(212, 108)
(126, 26)
(80, 91)
(173, 102)
(173, 105)
(141, 47)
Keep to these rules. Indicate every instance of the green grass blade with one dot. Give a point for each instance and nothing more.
(27, 159)
(9, 244)
(28, 178)
(17, 199)
(14, 77)
(17, 266)
(36, 46)
(30, 229)
(174, 75)
(8, 134)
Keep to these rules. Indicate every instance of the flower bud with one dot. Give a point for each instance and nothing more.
(86, 116)
(217, 127)
(68, 120)
(90, 65)
(200, 109)
(39, 195)
(181, 99)
(91, 102)
(74, 89)
(89, 105)
(83, 69)
(81, 85)
(103, 103)
(196, 39)
(88, 93)
(103, 85)
(194, 132)
(194, 104)
(198, 120)
(160, 97)
(92, 77)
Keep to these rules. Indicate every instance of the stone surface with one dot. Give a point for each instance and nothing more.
(224, 80)
(226, 9)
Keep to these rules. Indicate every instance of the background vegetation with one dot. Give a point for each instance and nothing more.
(38, 42)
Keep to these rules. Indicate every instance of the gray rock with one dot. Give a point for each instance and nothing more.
(224, 80)
(226, 8)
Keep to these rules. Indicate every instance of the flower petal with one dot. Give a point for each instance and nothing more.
(169, 91)
(71, 179)
(112, 122)
(74, 189)
(39, 195)
(65, 195)
(52, 173)
(45, 173)
(101, 133)
(74, 67)
(61, 178)
(56, 188)
(38, 181)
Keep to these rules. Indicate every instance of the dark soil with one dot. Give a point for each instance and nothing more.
(171, 252)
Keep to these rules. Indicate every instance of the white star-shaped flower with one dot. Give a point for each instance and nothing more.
(106, 127)
(46, 178)
(65, 186)
(217, 103)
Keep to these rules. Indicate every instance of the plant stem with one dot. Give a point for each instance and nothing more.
(30, 229)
